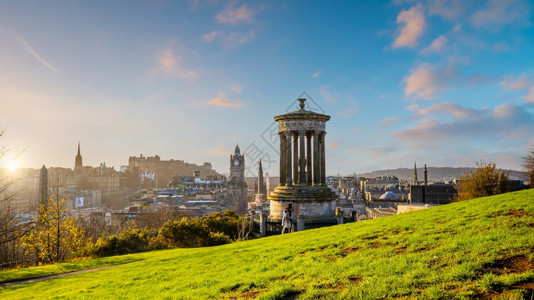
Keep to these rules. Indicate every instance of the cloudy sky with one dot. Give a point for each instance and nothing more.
(446, 83)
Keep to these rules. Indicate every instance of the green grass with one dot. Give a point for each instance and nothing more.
(34, 272)
(482, 247)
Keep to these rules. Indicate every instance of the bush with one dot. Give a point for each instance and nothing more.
(218, 238)
(485, 181)
(129, 241)
(207, 231)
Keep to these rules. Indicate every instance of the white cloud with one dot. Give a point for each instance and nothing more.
(39, 58)
(236, 88)
(529, 97)
(327, 94)
(502, 12)
(348, 112)
(449, 9)
(316, 74)
(219, 101)
(437, 45)
(516, 84)
(507, 121)
(333, 146)
(520, 83)
(412, 107)
(233, 38)
(170, 63)
(389, 121)
(209, 37)
(424, 82)
(414, 23)
(194, 4)
(450, 108)
(233, 16)
(219, 150)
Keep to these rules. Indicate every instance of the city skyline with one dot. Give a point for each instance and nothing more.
(446, 83)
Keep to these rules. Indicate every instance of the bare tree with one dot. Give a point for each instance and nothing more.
(244, 228)
(155, 218)
(528, 164)
(11, 226)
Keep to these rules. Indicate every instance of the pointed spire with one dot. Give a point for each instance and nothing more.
(415, 180)
(237, 151)
(426, 175)
(78, 161)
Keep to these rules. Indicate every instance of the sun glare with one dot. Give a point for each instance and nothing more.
(12, 166)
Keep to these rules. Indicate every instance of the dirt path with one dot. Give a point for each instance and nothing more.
(37, 279)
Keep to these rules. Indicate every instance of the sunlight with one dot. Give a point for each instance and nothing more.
(12, 166)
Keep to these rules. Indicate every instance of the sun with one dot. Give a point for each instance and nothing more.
(12, 166)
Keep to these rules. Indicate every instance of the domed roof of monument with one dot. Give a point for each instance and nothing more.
(389, 196)
(302, 114)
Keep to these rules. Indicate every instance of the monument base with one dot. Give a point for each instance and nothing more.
(309, 202)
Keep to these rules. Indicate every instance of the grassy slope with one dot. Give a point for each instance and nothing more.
(458, 250)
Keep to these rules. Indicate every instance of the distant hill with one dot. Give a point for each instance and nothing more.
(477, 249)
(434, 173)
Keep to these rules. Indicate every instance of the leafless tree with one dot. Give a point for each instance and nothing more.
(528, 164)
(155, 218)
(11, 226)
(244, 228)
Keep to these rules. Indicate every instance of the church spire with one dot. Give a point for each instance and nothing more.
(415, 181)
(78, 161)
(426, 176)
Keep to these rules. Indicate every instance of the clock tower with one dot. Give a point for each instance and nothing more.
(237, 166)
(236, 186)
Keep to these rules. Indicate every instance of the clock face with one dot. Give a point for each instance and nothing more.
(236, 162)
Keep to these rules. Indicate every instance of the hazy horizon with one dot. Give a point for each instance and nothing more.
(446, 83)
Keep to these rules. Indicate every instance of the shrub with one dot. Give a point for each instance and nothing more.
(485, 181)
(129, 241)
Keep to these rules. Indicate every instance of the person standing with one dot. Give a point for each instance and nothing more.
(287, 219)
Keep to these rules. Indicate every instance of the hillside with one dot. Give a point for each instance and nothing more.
(474, 249)
(434, 173)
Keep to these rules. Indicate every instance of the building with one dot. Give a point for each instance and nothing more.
(374, 213)
(434, 193)
(302, 171)
(236, 187)
(153, 169)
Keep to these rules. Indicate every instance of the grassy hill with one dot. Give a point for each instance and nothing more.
(481, 248)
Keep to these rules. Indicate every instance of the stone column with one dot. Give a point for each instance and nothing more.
(302, 159)
(300, 223)
(283, 168)
(309, 158)
(295, 158)
(289, 180)
(322, 158)
(316, 175)
(263, 224)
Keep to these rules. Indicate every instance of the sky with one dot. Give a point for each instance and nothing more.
(445, 83)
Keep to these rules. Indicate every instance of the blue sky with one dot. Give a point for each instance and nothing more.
(446, 83)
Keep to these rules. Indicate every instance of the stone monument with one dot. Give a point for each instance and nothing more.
(302, 168)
